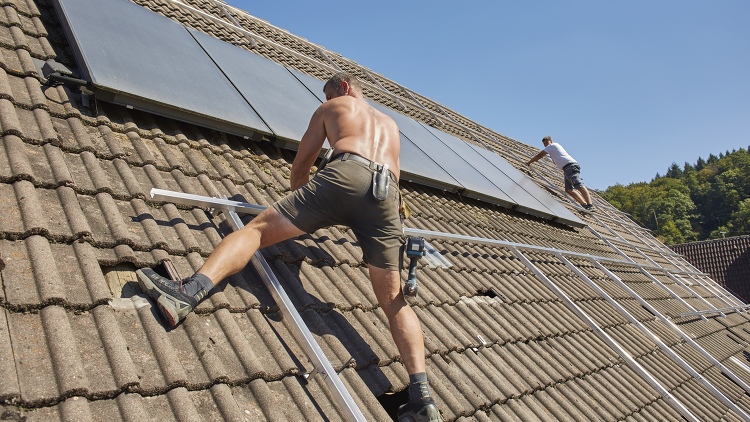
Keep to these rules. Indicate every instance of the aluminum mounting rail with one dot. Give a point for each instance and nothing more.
(503, 243)
(646, 273)
(673, 258)
(248, 208)
(612, 343)
(663, 346)
(231, 210)
(688, 339)
(714, 311)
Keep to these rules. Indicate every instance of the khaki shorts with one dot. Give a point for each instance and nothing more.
(341, 194)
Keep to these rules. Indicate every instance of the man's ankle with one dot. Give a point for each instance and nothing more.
(419, 388)
(198, 285)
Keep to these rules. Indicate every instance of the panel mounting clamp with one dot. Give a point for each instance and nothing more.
(54, 73)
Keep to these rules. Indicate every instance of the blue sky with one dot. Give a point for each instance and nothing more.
(627, 87)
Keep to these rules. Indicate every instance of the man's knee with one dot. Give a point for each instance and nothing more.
(386, 285)
(271, 227)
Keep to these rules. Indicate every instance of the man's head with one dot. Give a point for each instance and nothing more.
(340, 84)
(547, 140)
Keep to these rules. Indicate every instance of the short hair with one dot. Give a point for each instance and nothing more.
(547, 138)
(341, 77)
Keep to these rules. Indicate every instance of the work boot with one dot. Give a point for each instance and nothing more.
(173, 302)
(423, 411)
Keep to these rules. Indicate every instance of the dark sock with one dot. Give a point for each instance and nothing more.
(194, 285)
(419, 388)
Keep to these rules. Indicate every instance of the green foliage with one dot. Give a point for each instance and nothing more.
(695, 202)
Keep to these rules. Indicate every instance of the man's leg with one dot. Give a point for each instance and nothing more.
(574, 186)
(585, 194)
(407, 334)
(404, 324)
(576, 195)
(176, 299)
(236, 250)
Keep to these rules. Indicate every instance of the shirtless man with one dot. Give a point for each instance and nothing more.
(364, 140)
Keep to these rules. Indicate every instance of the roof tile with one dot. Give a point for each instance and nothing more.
(9, 388)
(499, 343)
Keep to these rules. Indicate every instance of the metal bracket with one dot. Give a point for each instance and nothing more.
(54, 73)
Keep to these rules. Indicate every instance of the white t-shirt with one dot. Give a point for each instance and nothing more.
(559, 156)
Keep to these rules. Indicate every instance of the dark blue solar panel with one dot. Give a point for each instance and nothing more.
(524, 201)
(281, 100)
(467, 177)
(314, 85)
(138, 58)
(522, 185)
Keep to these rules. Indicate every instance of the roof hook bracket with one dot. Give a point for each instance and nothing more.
(54, 73)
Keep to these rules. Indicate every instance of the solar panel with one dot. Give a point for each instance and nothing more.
(138, 58)
(467, 177)
(524, 202)
(313, 84)
(281, 100)
(528, 186)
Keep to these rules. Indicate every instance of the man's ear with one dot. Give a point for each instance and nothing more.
(345, 85)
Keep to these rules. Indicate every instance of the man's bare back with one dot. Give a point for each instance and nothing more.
(351, 125)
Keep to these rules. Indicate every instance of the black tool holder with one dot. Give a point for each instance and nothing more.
(414, 250)
(325, 160)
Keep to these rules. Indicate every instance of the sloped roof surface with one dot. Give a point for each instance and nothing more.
(726, 260)
(505, 339)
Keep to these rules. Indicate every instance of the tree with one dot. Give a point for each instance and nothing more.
(695, 202)
(670, 234)
(663, 205)
(700, 164)
(674, 172)
(738, 225)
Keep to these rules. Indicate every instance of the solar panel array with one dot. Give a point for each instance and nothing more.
(138, 58)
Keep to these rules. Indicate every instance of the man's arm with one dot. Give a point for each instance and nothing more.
(537, 157)
(309, 148)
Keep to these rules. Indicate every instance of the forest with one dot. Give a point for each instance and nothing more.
(706, 200)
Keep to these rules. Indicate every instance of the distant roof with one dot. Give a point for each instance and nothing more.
(727, 260)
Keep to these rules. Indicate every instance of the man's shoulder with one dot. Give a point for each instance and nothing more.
(337, 105)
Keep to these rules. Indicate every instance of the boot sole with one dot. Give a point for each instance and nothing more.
(165, 302)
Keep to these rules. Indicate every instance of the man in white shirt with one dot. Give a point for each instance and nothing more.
(573, 181)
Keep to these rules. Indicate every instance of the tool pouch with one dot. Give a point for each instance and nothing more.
(324, 161)
(380, 181)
